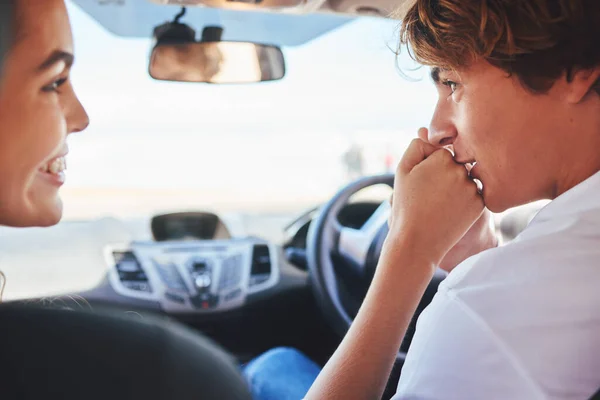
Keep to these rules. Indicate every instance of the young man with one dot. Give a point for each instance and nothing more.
(519, 97)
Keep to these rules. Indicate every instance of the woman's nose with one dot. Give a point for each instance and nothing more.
(79, 118)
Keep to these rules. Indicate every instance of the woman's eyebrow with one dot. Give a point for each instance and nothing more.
(56, 57)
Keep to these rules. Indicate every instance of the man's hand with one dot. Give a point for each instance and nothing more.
(435, 203)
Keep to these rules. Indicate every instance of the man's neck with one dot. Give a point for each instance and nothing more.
(579, 162)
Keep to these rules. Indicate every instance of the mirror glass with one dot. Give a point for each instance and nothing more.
(217, 62)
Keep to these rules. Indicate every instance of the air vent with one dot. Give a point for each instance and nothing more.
(261, 265)
(131, 273)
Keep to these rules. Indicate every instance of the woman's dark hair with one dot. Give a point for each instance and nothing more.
(7, 22)
(7, 28)
(538, 41)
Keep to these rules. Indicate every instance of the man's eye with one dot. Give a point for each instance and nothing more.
(452, 85)
(53, 87)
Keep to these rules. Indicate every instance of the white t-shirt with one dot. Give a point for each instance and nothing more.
(521, 321)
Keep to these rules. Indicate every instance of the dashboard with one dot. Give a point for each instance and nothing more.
(182, 267)
(193, 276)
(194, 267)
(246, 293)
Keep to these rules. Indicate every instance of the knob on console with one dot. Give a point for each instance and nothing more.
(202, 281)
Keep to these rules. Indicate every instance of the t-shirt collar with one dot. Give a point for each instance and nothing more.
(582, 197)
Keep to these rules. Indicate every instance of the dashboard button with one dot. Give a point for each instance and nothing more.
(204, 301)
(128, 265)
(139, 276)
(138, 286)
(230, 296)
(199, 266)
(259, 279)
(175, 298)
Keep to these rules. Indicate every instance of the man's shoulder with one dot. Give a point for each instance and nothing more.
(542, 281)
(555, 276)
(529, 297)
(533, 260)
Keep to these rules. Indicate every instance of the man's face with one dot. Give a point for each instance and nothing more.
(513, 135)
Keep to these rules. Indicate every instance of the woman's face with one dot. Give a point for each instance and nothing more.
(38, 110)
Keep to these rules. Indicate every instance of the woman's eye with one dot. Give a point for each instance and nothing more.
(53, 87)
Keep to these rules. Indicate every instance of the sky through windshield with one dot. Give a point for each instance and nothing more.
(270, 145)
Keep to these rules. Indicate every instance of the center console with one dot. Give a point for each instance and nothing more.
(199, 276)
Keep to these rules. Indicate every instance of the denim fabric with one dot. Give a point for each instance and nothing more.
(280, 374)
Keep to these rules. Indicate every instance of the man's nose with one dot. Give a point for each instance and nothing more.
(442, 131)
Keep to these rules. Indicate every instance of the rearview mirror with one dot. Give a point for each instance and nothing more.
(217, 62)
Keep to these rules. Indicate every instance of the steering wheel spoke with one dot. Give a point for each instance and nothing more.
(329, 242)
(353, 244)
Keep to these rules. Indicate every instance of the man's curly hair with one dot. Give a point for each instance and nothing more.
(538, 41)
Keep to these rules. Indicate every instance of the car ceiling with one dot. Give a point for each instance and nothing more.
(279, 22)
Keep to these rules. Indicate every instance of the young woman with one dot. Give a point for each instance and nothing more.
(38, 110)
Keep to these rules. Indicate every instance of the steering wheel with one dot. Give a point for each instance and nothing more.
(336, 254)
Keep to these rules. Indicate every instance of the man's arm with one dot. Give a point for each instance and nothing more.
(360, 367)
(430, 190)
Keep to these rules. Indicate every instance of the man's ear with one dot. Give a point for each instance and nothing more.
(583, 82)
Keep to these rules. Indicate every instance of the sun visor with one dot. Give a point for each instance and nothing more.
(247, 4)
(138, 18)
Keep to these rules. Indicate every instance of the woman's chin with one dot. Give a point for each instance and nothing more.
(45, 207)
(47, 214)
(49, 221)
(52, 214)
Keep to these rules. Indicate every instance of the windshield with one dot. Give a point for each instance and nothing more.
(342, 111)
(258, 155)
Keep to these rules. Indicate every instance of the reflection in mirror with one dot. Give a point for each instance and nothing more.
(216, 62)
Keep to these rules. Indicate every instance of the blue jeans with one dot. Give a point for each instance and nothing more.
(280, 374)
